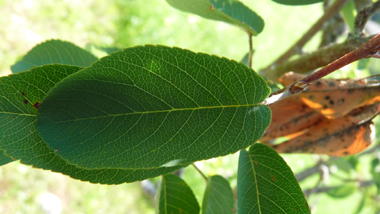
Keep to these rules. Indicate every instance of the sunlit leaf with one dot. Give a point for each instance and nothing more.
(266, 184)
(298, 2)
(154, 106)
(349, 13)
(362, 202)
(342, 191)
(176, 197)
(218, 197)
(54, 51)
(20, 95)
(230, 11)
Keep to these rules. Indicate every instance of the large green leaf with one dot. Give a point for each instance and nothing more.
(54, 51)
(298, 2)
(4, 159)
(176, 197)
(230, 11)
(266, 184)
(19, 98)
(218, 197)
(148, 107)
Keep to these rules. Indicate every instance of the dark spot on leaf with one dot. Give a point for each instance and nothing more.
(350, 91)
(331, 84)
(297, 208)
(181, 183)
(22, 93)
(331, 102)
(311, 97)
(256, 163)
(36, 105)
(346, 153)
(273, 178)
(325, 107)
(327, 97)
(318, 83)
(26, 101)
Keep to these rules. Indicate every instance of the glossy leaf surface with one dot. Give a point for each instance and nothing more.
(176, 197)
(266, 184)
(218, 197)
(54, 51)
(20, 95)
(230, 11)
(298, 2)
(147, 107)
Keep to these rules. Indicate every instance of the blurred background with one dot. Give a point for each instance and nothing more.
(127, 23)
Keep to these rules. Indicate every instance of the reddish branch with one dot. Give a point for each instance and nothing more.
(366, 50)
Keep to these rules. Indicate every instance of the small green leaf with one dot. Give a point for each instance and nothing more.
(342, 191)
(349, 14)
(298, 2)
(20, 95)
(218, 197)
(4, 159)
(148, 107)
(54, 51)
(230, 11)
(266, 184)
(362, 202)
(175, 196)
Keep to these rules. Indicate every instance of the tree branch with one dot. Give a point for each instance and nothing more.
(366, 50)
(314, 60)
(311, 32)
(363, 16)
(326, 189)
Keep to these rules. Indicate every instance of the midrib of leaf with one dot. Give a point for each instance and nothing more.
(268, 181)
(257, 188)
(166, 201)
(160, 111)
(19, 114)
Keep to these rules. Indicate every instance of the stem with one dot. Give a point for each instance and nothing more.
(311, 32)
(366, 50)
(363, 16)
(250, 51)
(200, 172)
(314, 60)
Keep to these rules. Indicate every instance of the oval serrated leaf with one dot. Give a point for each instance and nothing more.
(54, 51)
(298, 2)
(232, 12)
(176, 197)
(218, 197)
(20, 95)
(148, 107)
(266, 184)
(4, 159)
